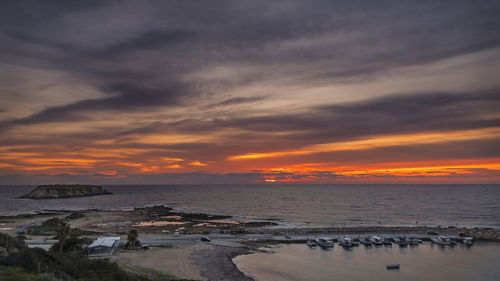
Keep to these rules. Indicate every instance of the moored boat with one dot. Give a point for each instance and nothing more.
(386, 241)
(392, 266)
(401, 242)
(468, 241)
(366, 242)
(345, 242)
(443, 241)
(377, 241)
(324, 242)
(412, 241)
(311, 243)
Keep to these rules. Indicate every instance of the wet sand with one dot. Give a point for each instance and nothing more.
(217, 263)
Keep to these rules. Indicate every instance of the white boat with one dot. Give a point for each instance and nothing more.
(345, 242)
(468, 241)
(311, 243)
(324, 242)
(377, 241)
(443, 241)
(412, 241)
(400, 241)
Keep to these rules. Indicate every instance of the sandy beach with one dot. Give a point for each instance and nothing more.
(177, 260)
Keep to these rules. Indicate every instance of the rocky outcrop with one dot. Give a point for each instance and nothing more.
(65, 191)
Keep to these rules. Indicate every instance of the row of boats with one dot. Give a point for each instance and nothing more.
(452, 241)
(370, 241)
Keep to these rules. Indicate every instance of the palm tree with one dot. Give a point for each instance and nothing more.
(62, 233)
(132, 238)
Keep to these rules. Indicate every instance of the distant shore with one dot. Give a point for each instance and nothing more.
(165, 220)
(233, 237)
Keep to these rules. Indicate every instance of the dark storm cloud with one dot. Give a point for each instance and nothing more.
(126, 97)
(316, 40)
(392, 113)
(149, 40)
(235, 101)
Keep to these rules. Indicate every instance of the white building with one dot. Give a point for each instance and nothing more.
(103, 246)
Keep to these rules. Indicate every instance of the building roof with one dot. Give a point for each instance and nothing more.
(104, 242)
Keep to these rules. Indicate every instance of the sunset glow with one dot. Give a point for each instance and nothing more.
(264, 93)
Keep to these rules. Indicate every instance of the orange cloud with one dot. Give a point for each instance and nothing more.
(380, 141)
(197, 163)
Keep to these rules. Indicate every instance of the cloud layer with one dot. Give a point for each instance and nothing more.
(175, 91)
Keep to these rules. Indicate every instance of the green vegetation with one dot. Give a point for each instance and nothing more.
(18, 274)
(132, 239)
(34, 264)
(62, 233)
(71, 244)
(23, 263)
(11, 244)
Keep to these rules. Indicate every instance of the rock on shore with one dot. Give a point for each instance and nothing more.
(65, 191)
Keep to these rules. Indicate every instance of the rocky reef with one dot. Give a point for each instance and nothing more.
(65, 191)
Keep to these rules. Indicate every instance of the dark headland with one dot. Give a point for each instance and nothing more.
(53, 191)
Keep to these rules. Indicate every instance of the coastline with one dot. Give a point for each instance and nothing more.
(160, 219)
(197, 260)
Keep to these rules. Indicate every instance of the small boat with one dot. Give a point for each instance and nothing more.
(377, 241)
(392, 266)
(443, 241)
(366, 242)
(345, 242)
(355, 243)
(412, 241)
(311, 243)
(386, 241)
(468, 241)
(324, 242)
(401, 242)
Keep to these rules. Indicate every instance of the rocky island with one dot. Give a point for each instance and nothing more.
(65, 191)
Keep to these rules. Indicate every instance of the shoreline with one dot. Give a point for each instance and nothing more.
(230, 237)
(161, 219)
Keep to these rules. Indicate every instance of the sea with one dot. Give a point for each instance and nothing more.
(297, 262)
(295, 205)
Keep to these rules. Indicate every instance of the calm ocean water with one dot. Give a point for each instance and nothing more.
(296, 262)
(337, 205)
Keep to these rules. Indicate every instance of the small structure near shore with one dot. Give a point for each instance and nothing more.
(103, 246)
(55, 191)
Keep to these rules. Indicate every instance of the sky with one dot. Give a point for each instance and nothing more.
(160, 92)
